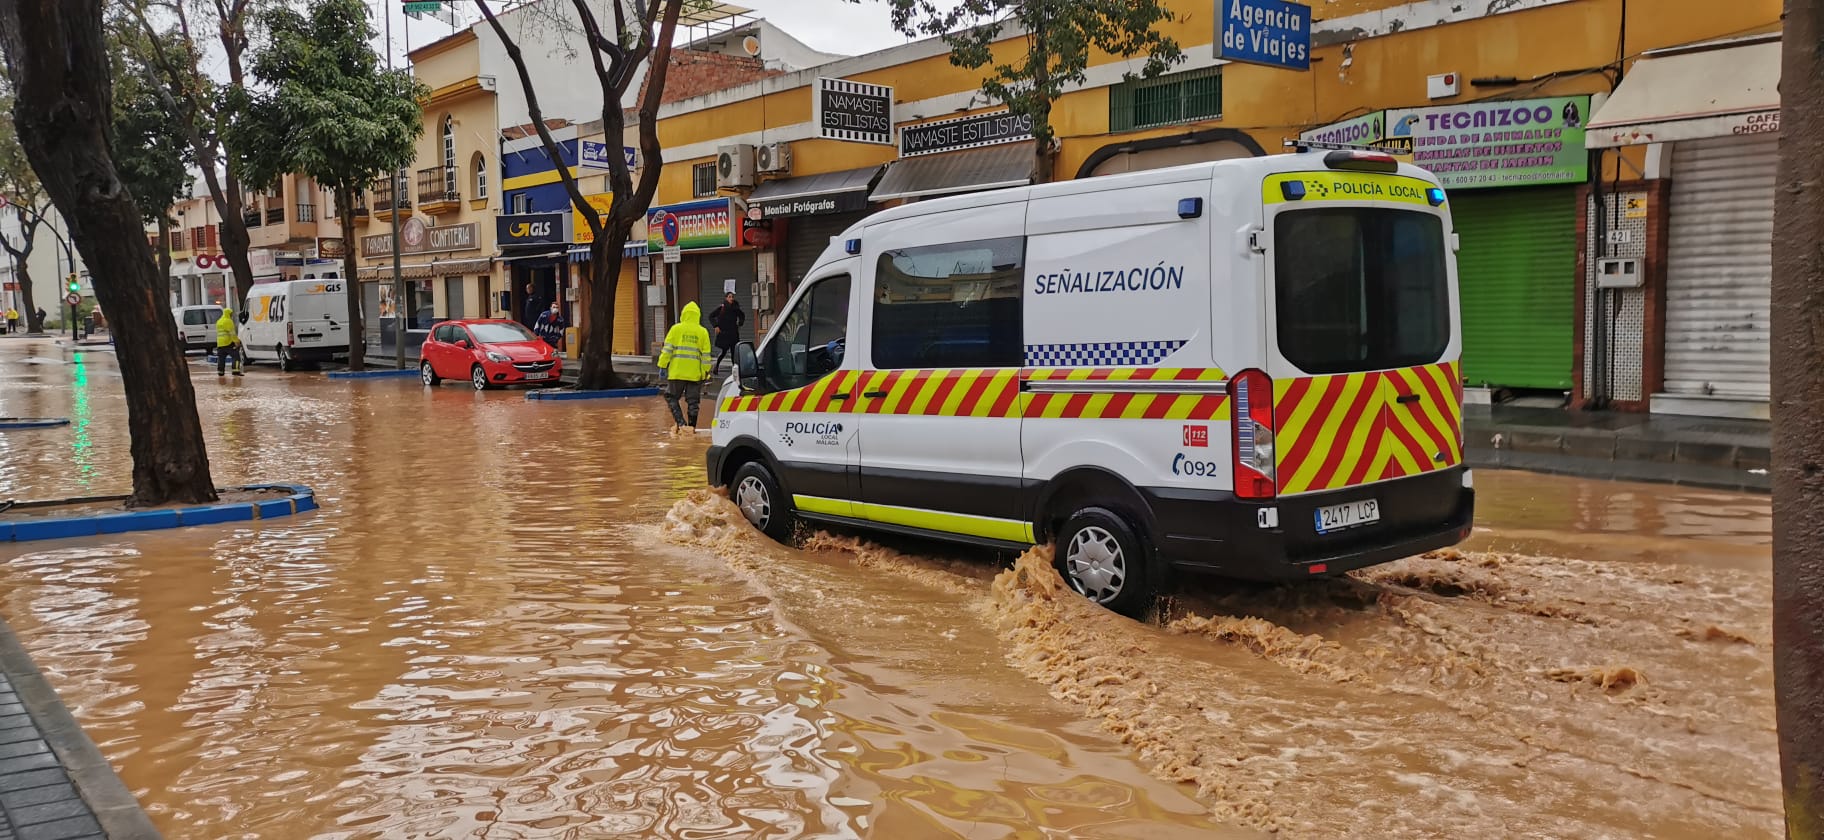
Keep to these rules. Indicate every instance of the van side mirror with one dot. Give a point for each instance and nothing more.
(242, 316)
(747, 366)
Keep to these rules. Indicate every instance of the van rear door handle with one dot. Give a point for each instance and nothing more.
(878, 395)
(838, 397)
(1407, 399)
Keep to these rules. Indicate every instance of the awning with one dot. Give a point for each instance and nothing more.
(630, 251)
(435, 268)
(815, 195)
(1715, 89)
(526, 256)
(1007, 165)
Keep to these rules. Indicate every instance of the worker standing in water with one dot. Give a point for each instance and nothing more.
(685, 360)
(227, 343)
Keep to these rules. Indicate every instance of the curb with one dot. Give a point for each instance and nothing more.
(372, 374)
(106, 796)
(300, 501)
(32, 422)
(616, 393)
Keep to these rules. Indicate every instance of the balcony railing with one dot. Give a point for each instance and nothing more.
(384, 200)
(437, 185)
(307, 213)
(275, 215)
(251, 218)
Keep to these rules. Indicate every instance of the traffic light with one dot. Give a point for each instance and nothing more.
(74, 285)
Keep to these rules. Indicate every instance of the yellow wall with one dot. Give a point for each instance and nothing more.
(1574, 40)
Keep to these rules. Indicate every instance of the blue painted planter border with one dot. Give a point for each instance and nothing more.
(372, 374)
(301, 499)
(617, 393)
(33, 423)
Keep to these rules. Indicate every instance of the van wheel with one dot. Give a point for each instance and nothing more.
(285, 362)
(756, 492)
(429, 376)
(1098, 553)
(478, 378)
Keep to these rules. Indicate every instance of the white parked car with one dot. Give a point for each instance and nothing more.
(196, 326)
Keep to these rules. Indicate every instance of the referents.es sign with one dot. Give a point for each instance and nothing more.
(853, 111)
(1270, 32)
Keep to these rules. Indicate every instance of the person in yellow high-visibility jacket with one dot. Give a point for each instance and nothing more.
(227, 343)
(685, 360)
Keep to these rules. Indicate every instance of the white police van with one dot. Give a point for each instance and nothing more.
(1247, 368)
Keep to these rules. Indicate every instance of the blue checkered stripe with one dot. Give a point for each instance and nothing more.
(1101, 354)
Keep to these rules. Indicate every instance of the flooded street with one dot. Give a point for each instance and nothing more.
(522, 619)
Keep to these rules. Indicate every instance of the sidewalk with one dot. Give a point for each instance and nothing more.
(1698, 451)
(54, 783)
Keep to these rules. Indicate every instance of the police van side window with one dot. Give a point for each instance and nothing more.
(1360, 289)
(811, 341)
(950, 306)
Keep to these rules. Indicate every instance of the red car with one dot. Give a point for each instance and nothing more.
(488, 353)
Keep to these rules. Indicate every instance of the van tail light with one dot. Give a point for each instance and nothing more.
(291, 334)
(1251, 398)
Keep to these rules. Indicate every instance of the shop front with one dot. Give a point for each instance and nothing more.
(803, 215)
(430, 258)
(534, 247)
(1713, 110)
(1512, 170)
(626, 338)
(703, 259)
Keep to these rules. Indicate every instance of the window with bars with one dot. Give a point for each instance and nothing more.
(703, 180)
(1178, 98)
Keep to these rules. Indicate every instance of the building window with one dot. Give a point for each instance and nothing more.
(1178, 98)
(954, 305)
(703, 180)
(480, 165)
(522, 203)
(449, 156)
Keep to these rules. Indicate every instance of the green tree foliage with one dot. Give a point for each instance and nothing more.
(151, 149)
(1028, 74)
(325, 107)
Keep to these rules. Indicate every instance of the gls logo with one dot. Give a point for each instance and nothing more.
(525, 230)
(1194, 468)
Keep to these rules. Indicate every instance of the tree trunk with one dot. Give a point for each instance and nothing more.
(164, 251)
(58, 59)
(33, 323)
(236, 242)
(1798, 423)
(357, 325)
(597, 373)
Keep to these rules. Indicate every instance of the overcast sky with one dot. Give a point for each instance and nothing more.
(834, 26)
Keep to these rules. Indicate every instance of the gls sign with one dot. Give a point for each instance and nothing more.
(533, 229)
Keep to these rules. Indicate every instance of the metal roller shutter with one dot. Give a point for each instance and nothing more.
(712, 270)
(1518, 271)
(627, 310)
(1719, 269)
(805, 239)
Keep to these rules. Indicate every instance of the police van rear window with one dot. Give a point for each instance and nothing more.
(1360, 288)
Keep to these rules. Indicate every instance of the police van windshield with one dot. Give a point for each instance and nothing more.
(1360, 288)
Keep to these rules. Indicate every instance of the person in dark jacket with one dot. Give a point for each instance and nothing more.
(535, 307)
(550, 326)
(728, 320)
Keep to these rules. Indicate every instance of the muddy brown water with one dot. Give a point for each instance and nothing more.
(516, 619)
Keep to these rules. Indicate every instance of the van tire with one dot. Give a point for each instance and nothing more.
(757, 493)
(285, 362)
(1101, 557)
(428, 374)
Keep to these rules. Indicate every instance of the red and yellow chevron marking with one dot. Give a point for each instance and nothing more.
(1350, 429)
(994, 393)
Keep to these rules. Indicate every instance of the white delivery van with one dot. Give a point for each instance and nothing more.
(196, 326)
(1247, 368)
(296, 321)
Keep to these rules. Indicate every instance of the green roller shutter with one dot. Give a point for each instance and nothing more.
(1518, 271)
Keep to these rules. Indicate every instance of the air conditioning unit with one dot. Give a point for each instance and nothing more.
(735, 166)
(775, 158)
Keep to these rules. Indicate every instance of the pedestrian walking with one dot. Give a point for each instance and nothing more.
(685, 360)
(550, 326)
(227, 343)
(728, 320)
(41, 317)
(12, 320)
